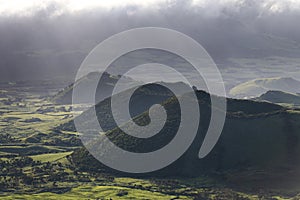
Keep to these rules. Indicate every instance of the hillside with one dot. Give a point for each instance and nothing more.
(256, 135)
(257, 87)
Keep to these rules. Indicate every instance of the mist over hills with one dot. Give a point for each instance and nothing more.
(43, 44)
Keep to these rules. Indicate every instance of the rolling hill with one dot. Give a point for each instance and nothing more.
(280, 97)
(257, 87)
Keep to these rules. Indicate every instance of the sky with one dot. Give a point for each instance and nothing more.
(47, 38)
(31, 7)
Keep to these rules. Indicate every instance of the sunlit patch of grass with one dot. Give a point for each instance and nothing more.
(52, 157)
(32, 149)
(70, 132)
(280, 198)
(135, 182)
(45, 127)
(44, 124)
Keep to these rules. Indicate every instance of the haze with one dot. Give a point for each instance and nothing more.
(47, 39)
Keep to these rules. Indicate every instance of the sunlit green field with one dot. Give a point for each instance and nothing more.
(52, 157)
(99, 192)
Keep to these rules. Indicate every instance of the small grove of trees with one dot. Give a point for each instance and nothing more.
(22, 172)
(12, 173)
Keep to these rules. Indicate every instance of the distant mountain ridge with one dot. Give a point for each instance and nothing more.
(257, 87)
(105, 86)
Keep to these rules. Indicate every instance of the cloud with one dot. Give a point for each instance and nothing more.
(52, 37)
(31, 7)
